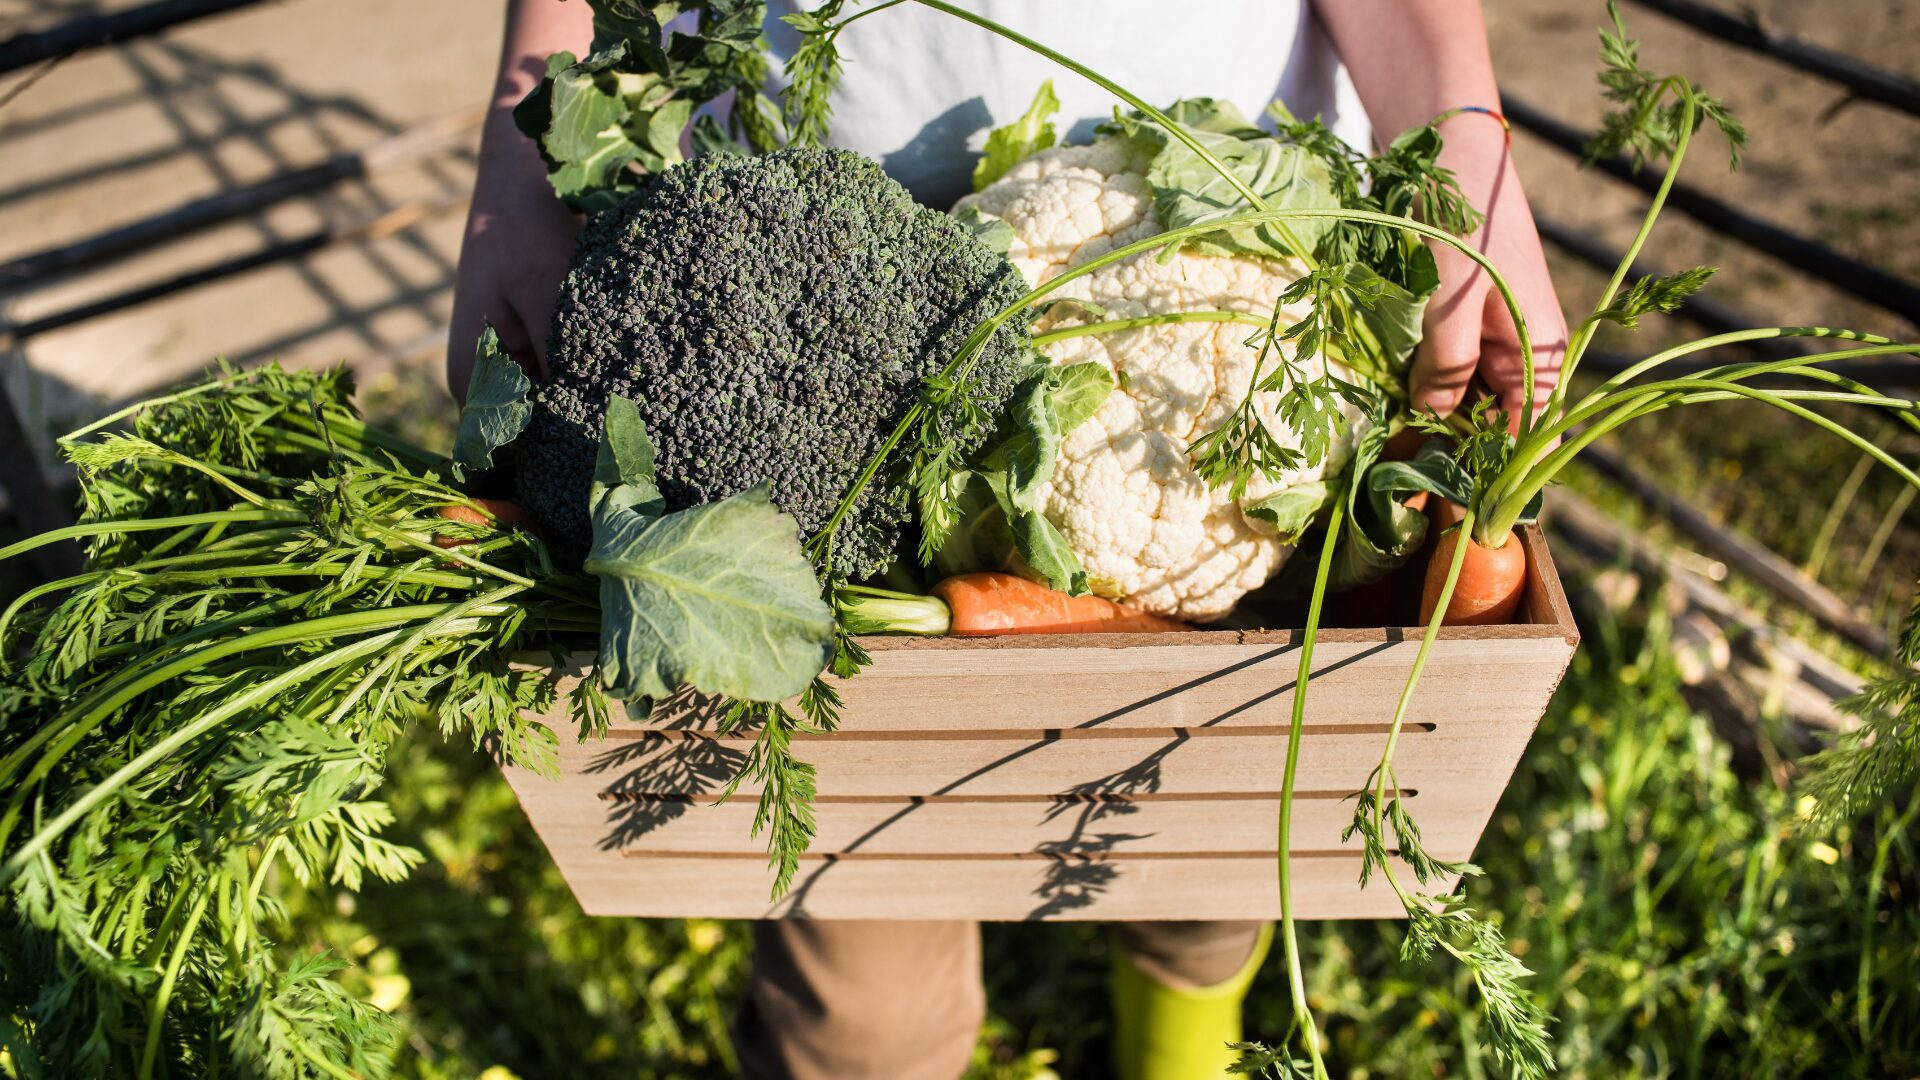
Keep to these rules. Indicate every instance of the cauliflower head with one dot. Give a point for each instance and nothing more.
(1124, 493)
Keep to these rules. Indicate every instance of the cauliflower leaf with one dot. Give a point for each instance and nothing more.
(1187, 190)
(1016, 142)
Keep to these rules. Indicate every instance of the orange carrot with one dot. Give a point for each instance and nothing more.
(483, 512)
(987, 604)
(1491, 581)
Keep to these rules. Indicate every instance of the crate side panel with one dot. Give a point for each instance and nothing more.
(571, 813)
(996, 889)
(1174, 761)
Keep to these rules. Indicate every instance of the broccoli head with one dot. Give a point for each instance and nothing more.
(774, 317)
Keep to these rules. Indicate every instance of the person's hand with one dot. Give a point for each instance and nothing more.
(519, 237)
(1468, 329)
(518, 242)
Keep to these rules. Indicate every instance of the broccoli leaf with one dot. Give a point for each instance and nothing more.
(1051, 406)
(497, 408)
(1010, 145)
(1213, 114)
(1036, 540)
(1045, 551)
(586, 138)
(708, 137)
(1381, 322)
(623, 468)
(719, 597)
(986, 228)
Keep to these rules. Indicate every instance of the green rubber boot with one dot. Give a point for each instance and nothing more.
(1164, 1033)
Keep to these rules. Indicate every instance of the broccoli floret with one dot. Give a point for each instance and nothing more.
(774, 317)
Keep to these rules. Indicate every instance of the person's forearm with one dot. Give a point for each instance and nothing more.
(1412, 59)
(535, 29)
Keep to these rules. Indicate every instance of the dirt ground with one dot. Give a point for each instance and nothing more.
(115, 135)
(1847, 174)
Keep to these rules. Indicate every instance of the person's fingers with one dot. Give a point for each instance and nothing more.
(532, 295)
(463, 331)
(1502, 364)
(1449, 352)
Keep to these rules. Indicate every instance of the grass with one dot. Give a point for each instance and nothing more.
(1679, 921)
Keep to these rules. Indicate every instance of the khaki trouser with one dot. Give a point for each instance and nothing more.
(836, 1000)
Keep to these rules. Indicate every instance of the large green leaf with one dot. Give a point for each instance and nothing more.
(603, 120)
(1391, 325)
(1187, 190)
(497, 408)
(1016, 142)
(719, 597)
(586, 138)
(1047, 552)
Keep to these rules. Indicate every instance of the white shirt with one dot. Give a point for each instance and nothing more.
(921, 88)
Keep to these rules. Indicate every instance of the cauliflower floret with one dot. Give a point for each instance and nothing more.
(1124, 492)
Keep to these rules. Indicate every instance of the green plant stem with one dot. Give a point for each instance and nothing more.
(102, 703)
(1385, 769)
(1888, 522)
(452, 554)
(390, 662)
(140, 406)
(863, 13)
(1583, 334)
(116, 527)
(1735, 337)
(868, 610)
(1876, 880)
(217, 474)
(1515, 488)
(255, 882)
(1542, 438)
(158, 752)
(1296, 727)
(133, 682)
(1116, 325)
(157, 1013)
(1545, 441)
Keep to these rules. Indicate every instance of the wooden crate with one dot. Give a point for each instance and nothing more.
(1072, 777)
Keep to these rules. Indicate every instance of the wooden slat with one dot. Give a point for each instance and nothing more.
(1161, 685)
(991, 889)
(580, 819)
(1175, 761)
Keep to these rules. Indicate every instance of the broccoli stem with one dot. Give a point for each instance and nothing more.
(867, 610)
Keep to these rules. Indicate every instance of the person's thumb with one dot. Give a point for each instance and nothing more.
(1444, 363)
